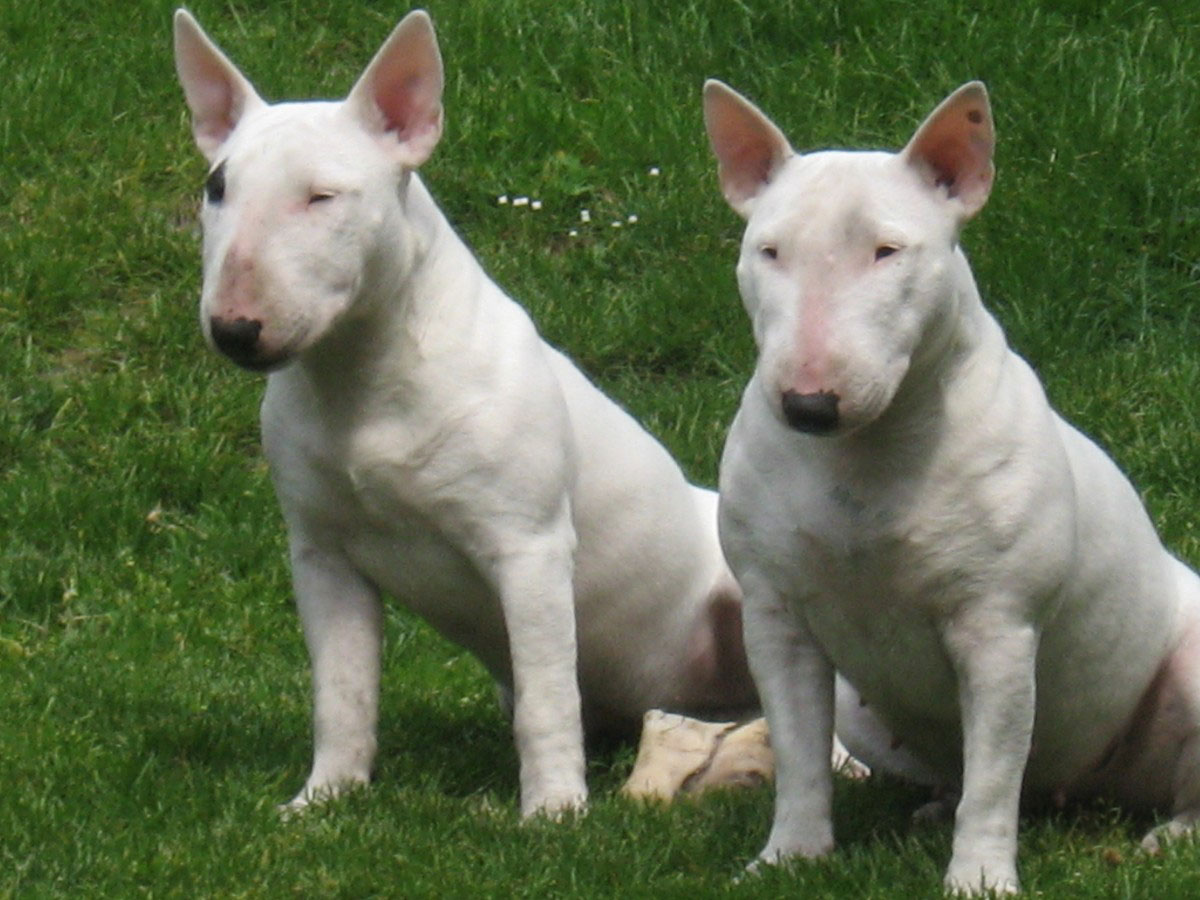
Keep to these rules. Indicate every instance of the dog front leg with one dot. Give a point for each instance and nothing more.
(796, 683)
(539, 611)
(342, 618)
(994, 656)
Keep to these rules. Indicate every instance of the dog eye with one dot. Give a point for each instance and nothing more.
(769, 251)
(319, 197)
(885, 250)
(214, 185)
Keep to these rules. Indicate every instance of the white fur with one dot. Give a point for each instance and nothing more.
(425, 443)
(977, 568)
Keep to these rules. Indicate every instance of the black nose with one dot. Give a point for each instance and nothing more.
(811, 413)
(236, 338)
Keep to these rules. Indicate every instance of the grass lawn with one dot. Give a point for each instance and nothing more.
(153, 682)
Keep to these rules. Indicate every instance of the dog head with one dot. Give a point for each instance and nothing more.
(301, 198)
(849, 267)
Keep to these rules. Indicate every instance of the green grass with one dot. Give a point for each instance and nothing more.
(153, 683)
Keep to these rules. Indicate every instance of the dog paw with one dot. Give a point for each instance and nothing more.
(755, 867)
(557, 807)
(846, 765)
(317, 794)
(975, 879)
(292, 809)
(762, 863)
(982, 889)
(778, 854)
(810, 846)
(1158, 838)
(770, 859)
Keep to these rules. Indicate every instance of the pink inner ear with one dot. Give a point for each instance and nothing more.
(956, 148)
(404, 103)
(750, 159)
(951, 158)
(399, 96)
(216, 92)
(748, 147)
(216, 99)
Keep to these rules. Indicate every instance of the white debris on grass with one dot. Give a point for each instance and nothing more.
(585, 214)
(655, 171)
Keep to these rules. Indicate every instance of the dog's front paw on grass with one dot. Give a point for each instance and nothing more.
(556, 807)
(981, 879)
(778, 856)
(318, 795)
(779, 853)
(980, 889)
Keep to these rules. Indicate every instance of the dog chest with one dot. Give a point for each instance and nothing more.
(401, 513)
(883, 638)
(427, 573)
(412, 559)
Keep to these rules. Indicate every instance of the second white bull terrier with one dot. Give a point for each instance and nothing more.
(898, 500)
(425, 442)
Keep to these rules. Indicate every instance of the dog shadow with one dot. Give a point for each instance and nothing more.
(880, 811)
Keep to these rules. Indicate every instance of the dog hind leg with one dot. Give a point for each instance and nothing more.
(1181, 721)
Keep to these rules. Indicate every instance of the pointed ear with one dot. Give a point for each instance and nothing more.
(953, 148)
(748, 145)
(399, 95)
(217, 93)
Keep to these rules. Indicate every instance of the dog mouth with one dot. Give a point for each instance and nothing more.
(813, 413)
(258, 361)
(262, 365)
(240, 341)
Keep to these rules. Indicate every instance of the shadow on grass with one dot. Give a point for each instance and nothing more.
(420, 743)
(457, 747)
(879, 812)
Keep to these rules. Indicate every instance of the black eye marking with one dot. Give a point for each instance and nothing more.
(884, 250)
(769, 251)
(320, 196)
(214, 185)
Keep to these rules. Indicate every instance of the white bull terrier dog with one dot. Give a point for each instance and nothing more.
(425, 443)
(898, 500)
